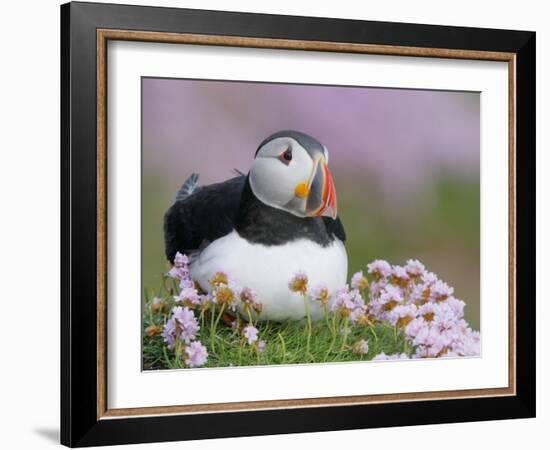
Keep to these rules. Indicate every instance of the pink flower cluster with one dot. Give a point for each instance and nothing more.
(424, 307)
(197, 354)
(188, 294)
(250, 333)
(348, 303)
(180, 269)
(227, 293)
(408, 297)
(183, 325)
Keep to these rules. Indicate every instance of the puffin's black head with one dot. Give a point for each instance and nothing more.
(290, 172)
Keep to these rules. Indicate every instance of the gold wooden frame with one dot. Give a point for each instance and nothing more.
(103, 36)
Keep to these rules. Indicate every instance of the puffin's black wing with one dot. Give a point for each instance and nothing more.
(335, 227)
(203, 216)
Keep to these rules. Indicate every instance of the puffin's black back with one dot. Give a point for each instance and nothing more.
(215, 210)
(202, 217)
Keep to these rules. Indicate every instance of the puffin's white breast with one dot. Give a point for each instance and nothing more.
(268, 270)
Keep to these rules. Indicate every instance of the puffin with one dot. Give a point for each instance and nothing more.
(264, 227)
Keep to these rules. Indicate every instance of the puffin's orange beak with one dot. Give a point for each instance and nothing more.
(330, 202)
(319, 192)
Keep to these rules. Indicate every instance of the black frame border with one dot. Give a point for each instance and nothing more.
(79, 423)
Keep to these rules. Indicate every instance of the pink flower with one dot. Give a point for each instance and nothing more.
(197, 354)
(391, 294)
(248, 296)
(457, 306)
(299, 283)
(358, 281)
(420, 293)
(205, 301)
(361, 347)
(321, 294)
(186, 282)
(401, 315)
(441, 291)
(414, 268)
(342, 302)
(429, 277)
(383, 357)
(179, 273)
(428, 311)
(158, 304)
(261, 346)
(400, 273)
(187, 320)
(180, 270)
(169, 333)
(358, 314)
(227, 295)
(348, 304)
(188, 296)
(376, 287)
(250, 332)
(414, 327)
(379, 269)
(219, 278)
(469, 345)
(445, 317)
(180, 260)
(182, 325)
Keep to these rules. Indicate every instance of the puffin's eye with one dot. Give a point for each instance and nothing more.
(286, 156)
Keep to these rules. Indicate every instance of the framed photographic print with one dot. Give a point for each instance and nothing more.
(277, 224)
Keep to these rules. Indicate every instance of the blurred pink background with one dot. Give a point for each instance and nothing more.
(401, 136)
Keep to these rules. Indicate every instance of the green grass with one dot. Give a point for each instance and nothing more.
(286, 343)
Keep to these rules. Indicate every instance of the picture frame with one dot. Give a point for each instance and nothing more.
(86, 29)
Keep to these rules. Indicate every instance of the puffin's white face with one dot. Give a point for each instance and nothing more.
(286, 176)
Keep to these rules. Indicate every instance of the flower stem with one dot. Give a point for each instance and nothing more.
(166, 358)
(333, 329)
(407, 347)
(308, 318)
(177, 351)
(249, 315)
(257, 352)
(371, 326)
(212, 315)
(283, 345)
(345, 334)
(213, 332)
(241, 352)
(327, 320)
